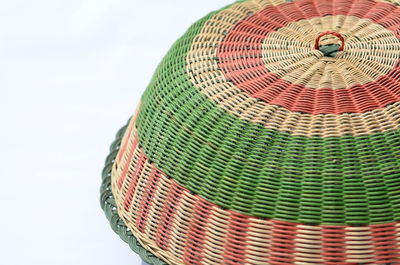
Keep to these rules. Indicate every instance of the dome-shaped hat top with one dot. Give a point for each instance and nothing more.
(269, 134)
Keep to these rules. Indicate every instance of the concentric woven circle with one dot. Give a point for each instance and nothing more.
(252, 146)
(371, 52)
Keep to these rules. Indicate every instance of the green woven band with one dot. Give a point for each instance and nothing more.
(109, 206)
(259, 171)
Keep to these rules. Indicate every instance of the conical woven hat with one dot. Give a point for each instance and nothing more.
(268, 135)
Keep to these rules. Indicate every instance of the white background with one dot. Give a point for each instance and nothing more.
(71, 74)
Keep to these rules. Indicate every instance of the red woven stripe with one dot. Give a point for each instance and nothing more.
(134, 180)
(148, 200)
(194, 247)
(334, 245)
(259, 83)
(385, 243)
(283, 245)
(236, 244)
(168, 216)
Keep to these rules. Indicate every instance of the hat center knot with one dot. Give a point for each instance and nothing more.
(331, 48)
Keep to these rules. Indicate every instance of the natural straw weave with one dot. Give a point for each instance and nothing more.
(269, 134)
(109, 206)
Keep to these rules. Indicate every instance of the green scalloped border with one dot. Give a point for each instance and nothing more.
(110, 209)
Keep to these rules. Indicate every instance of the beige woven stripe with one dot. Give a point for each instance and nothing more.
(397, 225)
(301, 64)
(216, 235)
(259, 238)
(396, 2)
(205, 74)
(119, 167)
(147, 238)
(308, 245)
(156, 208)
(308, 242)
(181, 226)
(359, 244)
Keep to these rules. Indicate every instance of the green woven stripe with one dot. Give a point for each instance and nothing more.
(258, 171)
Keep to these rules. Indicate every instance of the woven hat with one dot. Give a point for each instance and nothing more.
(269, 134)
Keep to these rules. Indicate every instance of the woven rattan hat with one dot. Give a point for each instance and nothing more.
(268, 135)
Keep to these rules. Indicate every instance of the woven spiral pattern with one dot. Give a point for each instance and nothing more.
(254, 145)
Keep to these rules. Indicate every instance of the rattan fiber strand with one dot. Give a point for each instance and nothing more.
(253, 146)
(109, 206)
(174, 220)
(197, 144)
